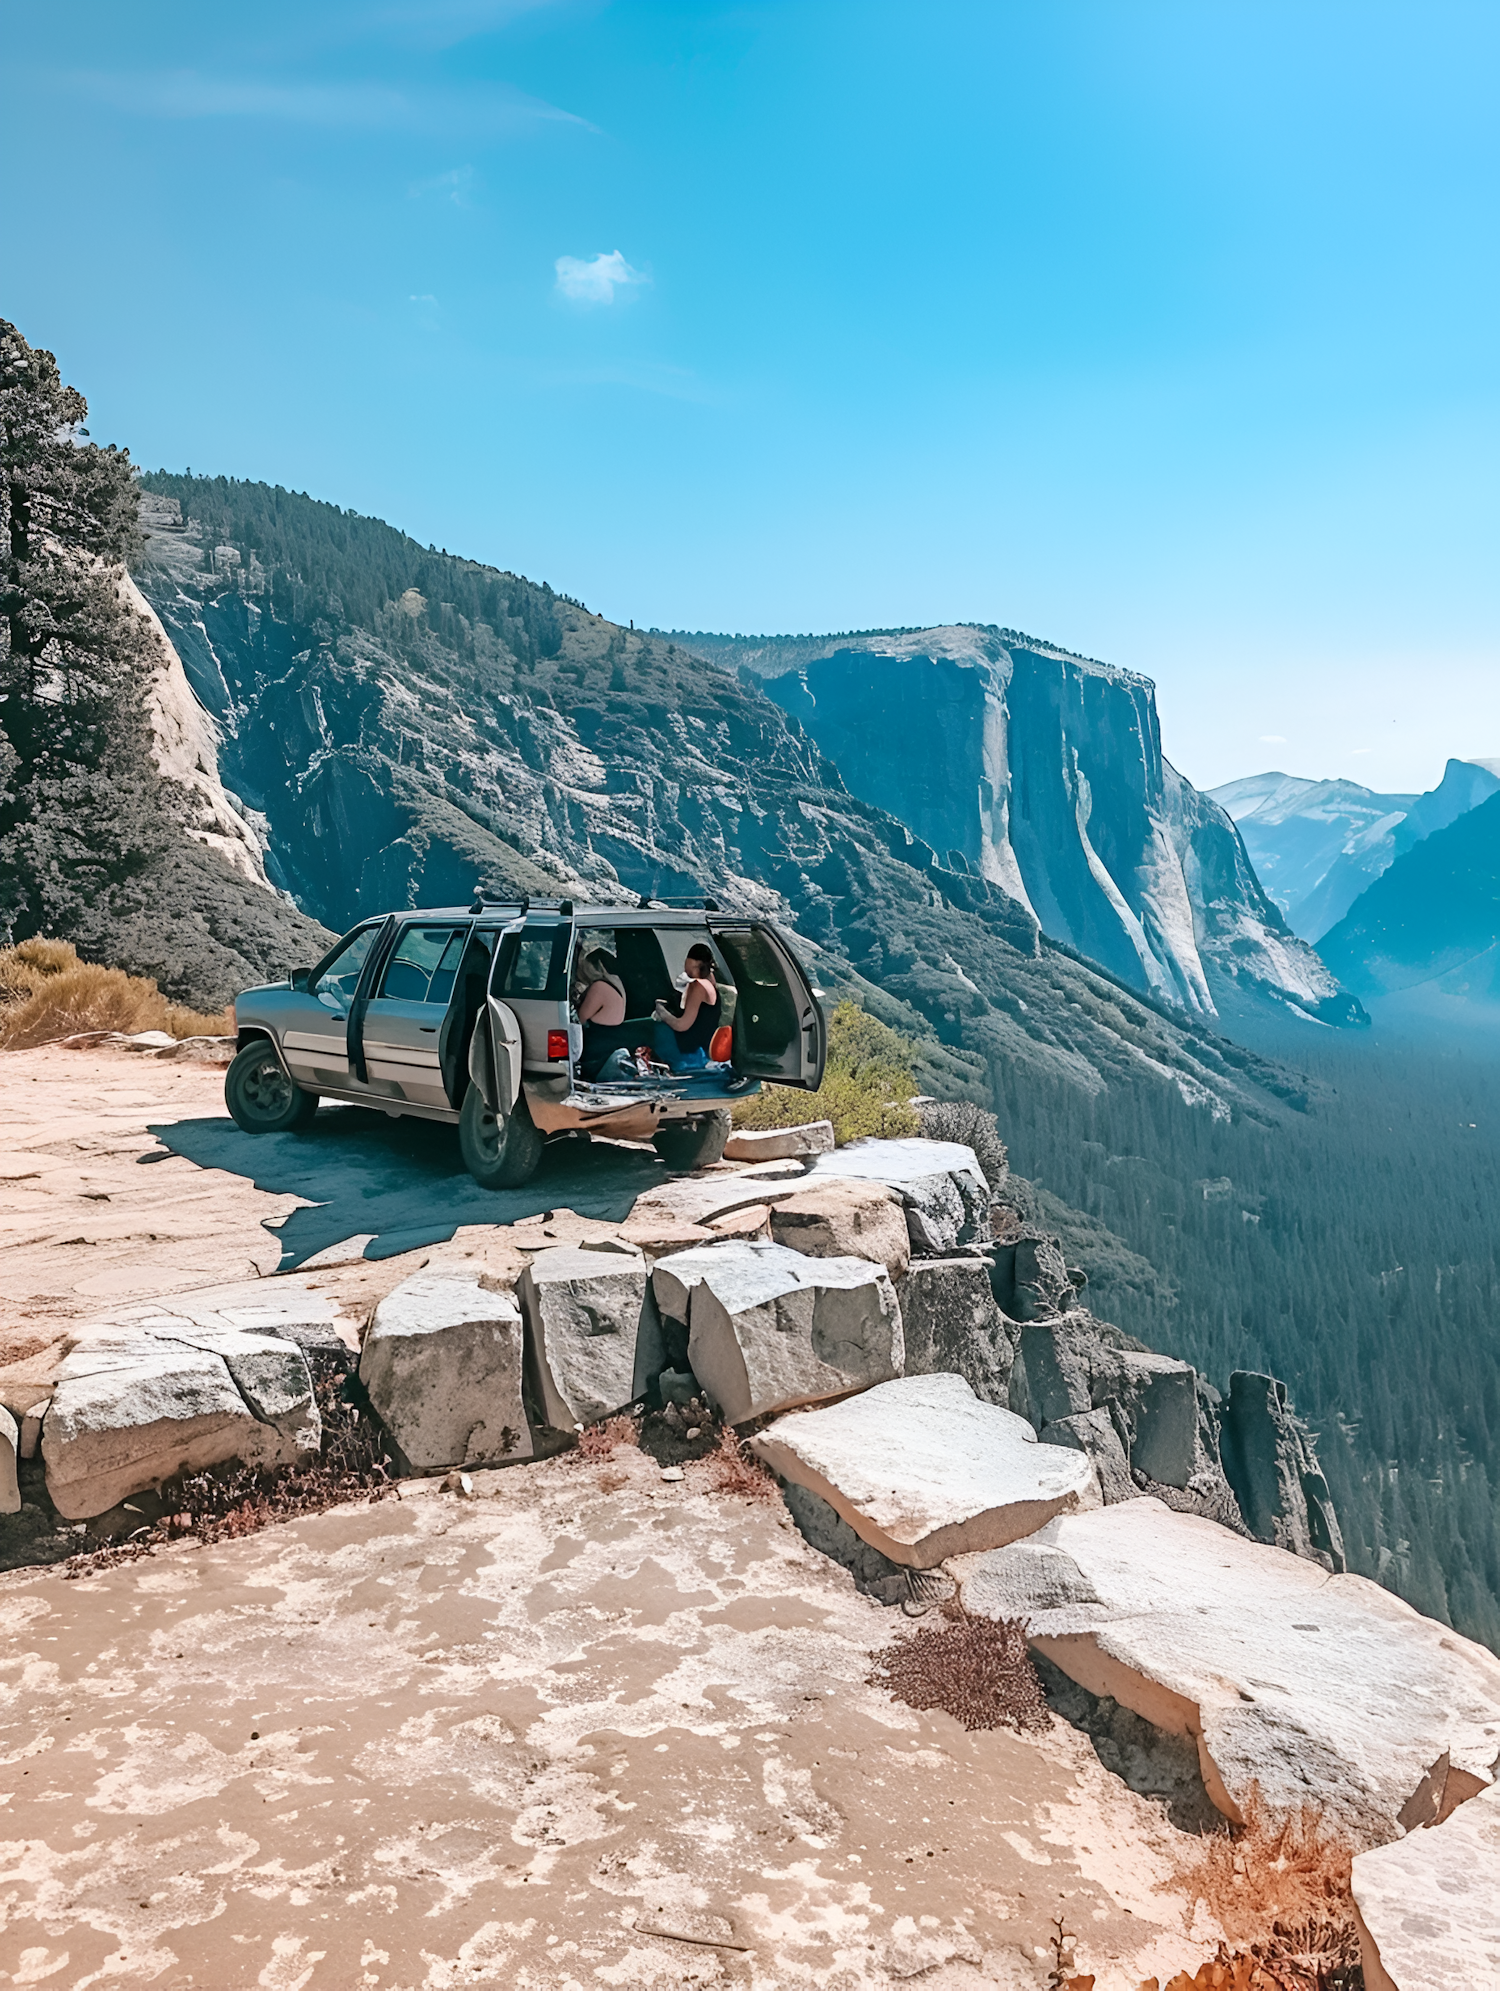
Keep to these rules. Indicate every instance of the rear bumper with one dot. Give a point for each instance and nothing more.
(630, 1112)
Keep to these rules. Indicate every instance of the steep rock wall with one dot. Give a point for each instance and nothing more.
(1043, 773)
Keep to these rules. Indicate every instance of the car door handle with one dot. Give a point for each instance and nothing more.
(428, 1029)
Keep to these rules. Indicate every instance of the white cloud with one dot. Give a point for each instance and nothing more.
(595, 281)
(1273, 739)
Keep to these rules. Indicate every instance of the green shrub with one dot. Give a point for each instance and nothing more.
(866, 1090)
(973, 1126)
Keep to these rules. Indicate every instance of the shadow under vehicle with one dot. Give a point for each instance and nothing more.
(464, 1016)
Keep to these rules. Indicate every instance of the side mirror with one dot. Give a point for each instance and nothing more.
(301, 978)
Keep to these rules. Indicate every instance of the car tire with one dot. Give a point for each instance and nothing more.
(260, 1096)
(500, 1150)
(689, 1144)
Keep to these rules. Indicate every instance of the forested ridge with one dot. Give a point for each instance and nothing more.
(1353, 1251)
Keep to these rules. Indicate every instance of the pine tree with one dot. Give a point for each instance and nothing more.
(80, 802)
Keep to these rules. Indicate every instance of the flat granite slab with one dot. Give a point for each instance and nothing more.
(1315, 1688)
(1428, 1908)
(922, 1469)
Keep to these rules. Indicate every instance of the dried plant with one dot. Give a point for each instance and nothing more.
(1272, 1966)
(1291, 1868)
(223, 1504)
(599, 1441)
(734, 1468)
(980, 1672)
(46, 992)
(1279, 1888)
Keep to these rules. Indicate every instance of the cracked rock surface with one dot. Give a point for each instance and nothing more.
(537, 1738)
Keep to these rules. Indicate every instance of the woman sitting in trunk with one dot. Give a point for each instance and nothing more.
(680, 1038)
(599, 997)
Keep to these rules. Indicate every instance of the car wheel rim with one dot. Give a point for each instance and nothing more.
(489, 1137)
(267, 1088)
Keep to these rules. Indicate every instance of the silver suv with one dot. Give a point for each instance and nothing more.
(464, 1015)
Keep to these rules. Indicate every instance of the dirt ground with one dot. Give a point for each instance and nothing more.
(123, 1178)
(588, 1728)
(83, 1223)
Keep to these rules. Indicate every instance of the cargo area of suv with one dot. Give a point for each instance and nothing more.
(467, 1015)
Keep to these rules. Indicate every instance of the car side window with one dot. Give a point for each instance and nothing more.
(423, 967)
(335, 986)
(534, 963)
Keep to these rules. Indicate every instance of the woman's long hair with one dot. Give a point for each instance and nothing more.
(597, 966)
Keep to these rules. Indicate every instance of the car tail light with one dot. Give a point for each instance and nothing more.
(557, 1045)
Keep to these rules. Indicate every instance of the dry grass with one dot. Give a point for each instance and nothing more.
(735, 1469)
(46, 992)
(600, 1441)
(979, 1671)
(1262, 1967)
(1279, 1888)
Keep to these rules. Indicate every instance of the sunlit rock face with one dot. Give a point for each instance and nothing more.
(1042, 773)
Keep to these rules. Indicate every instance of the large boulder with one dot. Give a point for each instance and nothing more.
(1160, 1398)
(1062, 1368)
(769, 1327)
(1097, 1436)
(774, 1143)
(1270, 1461)
(10, 1442)
(1428, 1907)
(442, 1363)
(952, 1325)
(582, 1310)
(131, 1410)
(699, 1199)
(921, 1469)
(284, 1307)
(845, 1219)
(1041, 1283)
(272, 1376)
(1309, 1687)
(941, 1185)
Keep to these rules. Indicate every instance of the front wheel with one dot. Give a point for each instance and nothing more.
(689, 1144)
(260, 1096)
(500, 1150)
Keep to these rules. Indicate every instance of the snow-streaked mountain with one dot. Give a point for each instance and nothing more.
(1317, 845)
(1042, 772)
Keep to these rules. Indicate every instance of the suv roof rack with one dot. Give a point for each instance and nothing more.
(482, 901)
(692, 899)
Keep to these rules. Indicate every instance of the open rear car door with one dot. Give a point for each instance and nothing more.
(779, 1031)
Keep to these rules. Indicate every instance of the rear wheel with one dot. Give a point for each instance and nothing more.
(688, 1144)
(260, 1096)
(500, 1150)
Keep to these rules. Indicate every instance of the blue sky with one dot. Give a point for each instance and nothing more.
(1166, 331)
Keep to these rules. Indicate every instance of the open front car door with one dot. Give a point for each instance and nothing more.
(779, 1031)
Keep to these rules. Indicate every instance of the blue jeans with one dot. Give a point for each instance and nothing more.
(666, 1047)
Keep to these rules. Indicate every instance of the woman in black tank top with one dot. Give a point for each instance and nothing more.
(682, 1041)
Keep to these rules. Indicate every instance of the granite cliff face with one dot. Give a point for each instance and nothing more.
(1042, 772)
